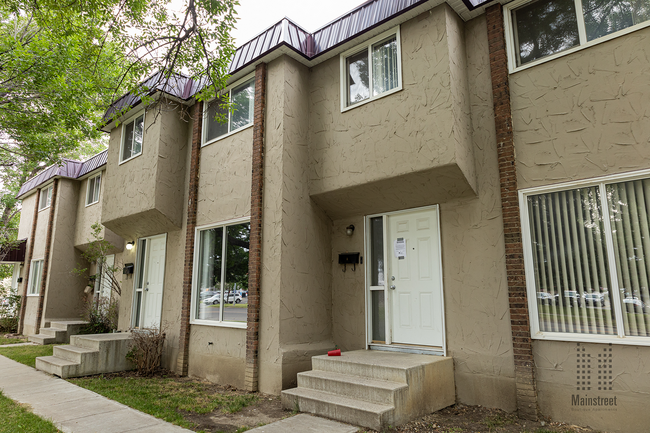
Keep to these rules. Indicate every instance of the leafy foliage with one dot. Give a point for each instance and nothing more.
(9, 308)
(102, 315)
(147, 349)
(97, 251)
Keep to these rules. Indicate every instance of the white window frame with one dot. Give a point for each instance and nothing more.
(130, 120)
(530, 272)
(195, 270)
(226, 91)
(48, 197)
(97, 178)
(582, 33)
(358, 49)
(34, 288)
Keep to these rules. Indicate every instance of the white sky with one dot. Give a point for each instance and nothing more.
(258, 15)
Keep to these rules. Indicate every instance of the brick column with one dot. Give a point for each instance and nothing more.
(46, 258)
(28, 264)
(255, 248)
(519, 322)
(182, 362)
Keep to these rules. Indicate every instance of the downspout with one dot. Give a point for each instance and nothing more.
(526, 389)
(182, 362)
(255, 247)
(46, 258)
(28, 264)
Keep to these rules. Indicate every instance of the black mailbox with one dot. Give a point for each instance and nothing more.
(349, 259)
(128, 269)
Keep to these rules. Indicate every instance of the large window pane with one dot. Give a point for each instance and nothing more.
(570, 262)
(603, 17)
(128, 141)
(216, 127)
(629, 209)
(384, 66)
(358, 80)
(236, 284)
(543, 28)
(208, 293)
(138, 134)
(243, 98)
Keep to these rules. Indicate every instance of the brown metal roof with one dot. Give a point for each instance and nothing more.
(68, 168)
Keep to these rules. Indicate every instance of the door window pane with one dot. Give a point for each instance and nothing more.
(236, 284)
(378, 316)
(358, 80)
(570, 262)
(543, 28)
(208, 294)
(376, 251)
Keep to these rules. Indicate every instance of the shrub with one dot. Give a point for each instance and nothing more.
(146, 351)
(102, 315)
(9, 308)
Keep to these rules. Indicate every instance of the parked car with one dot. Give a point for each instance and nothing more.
(548, 298)
(208, 294)
(216, 299)
(594, 299)
(572, 297)
(635, 301)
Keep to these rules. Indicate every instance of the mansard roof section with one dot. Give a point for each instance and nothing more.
(177, 85)
(67, 168)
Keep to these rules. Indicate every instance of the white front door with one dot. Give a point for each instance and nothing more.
(407, 291)
(106, 284)
(149, 285)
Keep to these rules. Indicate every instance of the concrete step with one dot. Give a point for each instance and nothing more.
(76, 354)
(98, 341)
(57, 366)
(360, 388)
(42, 339)
(72, 326)
(57, 333)
(357, 412)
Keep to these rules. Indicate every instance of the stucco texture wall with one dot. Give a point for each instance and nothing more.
(584, 114)
(383, 155)
(27, 216)
(296, 253)
(143, 196)
(64, 295)
(577, 117)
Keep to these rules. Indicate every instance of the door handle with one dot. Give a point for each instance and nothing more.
(146, 289)
(392, 286)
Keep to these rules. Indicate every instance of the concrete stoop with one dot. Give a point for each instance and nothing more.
(87, 355)
(57, 331)
(374, 389)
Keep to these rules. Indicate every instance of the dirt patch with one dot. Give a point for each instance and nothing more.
(476, 419)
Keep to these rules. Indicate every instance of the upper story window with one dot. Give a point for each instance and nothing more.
(132, 135)
(220, 282)
(46, 198)
(372, 70)
(242, 97)
(35, 277)
(92, 192)
(588, 260)
(544, 28)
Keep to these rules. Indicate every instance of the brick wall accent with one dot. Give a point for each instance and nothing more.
(255, 248)
(28, 264)
(182, 362)
(519, 322)
(46, 258)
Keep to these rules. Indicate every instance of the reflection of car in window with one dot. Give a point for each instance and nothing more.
(633, 300)
(216, 299)
(595, 298)
(571, 297)
(547, 298)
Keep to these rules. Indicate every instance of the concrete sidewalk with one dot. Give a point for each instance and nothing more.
(71, 408)
(304, 423)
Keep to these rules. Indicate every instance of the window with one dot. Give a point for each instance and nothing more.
(371, 71)
(92, 192)
(542, 28)
(587, 252)
(46, 198)
(221, 273)
(132, 135)
(242, 97)
(35, 277)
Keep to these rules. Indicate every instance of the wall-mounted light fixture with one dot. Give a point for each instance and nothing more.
(129, 246)
(349, 230)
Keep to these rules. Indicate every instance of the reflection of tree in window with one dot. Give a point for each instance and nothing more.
(237, 258)
(543, 28)
(358, 80)
(242, 106)
(603, 17)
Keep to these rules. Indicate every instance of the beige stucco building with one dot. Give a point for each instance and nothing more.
(412, 178)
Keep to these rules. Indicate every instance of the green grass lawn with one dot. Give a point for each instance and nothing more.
(26, 354)
(165, 398)
(4, 340)
(16, 418)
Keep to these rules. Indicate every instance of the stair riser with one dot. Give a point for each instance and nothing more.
(341, 413)
(70, 329)
(80, 358)
(356, 391)
(41, 340)
(362, 370)
(59, 334)
(63, 372)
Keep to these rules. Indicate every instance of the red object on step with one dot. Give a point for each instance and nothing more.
(336, 352)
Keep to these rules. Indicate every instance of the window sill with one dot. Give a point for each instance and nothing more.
(514, 69)
(33, 295)
(90, 204)
(236, 325)
(374, 98)
(602, 339)
(127, 160)
(214, 140)
(45, 208)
